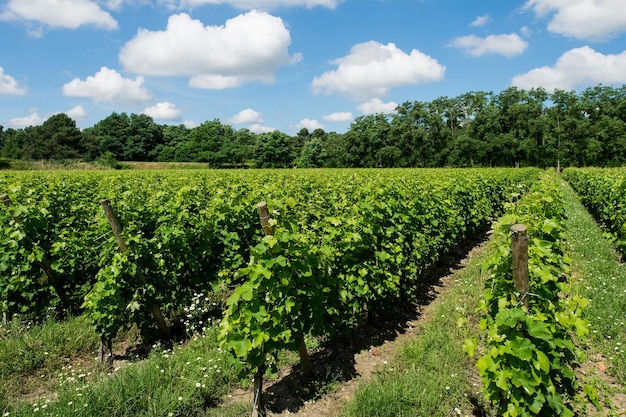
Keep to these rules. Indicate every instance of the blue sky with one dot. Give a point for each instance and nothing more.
(289, 64)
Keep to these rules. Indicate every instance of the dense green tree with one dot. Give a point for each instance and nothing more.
(144, 139)
(12, 143)
(173, 137)
(134, 137)
(112, 132)
(57, 138)
(272, 150)
(312, 154)
(335, 151)
(368, 134)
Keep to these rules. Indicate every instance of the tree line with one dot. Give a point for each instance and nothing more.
(482, 129)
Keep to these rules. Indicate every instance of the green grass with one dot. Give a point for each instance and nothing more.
(600, 276)
(431, 375)
(183, 381)
(33, 356)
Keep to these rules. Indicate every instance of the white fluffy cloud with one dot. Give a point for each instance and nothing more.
(256, 4)
(35, 119)
(251, 46)
(376, 105)
(480, 21)
(164, 111)
(69, 14)
(108, 85)
(371, 69)
(339, 117)
(259, 128)
(579, 67)
(246, 116)
(582, 19)
(508, 45)
(77, 113)
(309, 124)
(9, 86)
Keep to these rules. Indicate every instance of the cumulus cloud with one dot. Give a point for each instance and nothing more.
(257, 4)
(190, 124)
(339, 117)
(77, 113)
(33, 119)
(376, 105)
(163, 111)
(251, 46)
(69, 14)
(259, 128)
(309, 124)
(246, 116)
(9, 86)
(579, 67)
(480, 21)
(371, 69)
(508, 45)
(108, 85)
(582, 19)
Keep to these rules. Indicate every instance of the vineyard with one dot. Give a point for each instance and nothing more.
(324, 251)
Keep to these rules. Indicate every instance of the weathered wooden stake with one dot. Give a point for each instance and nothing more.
(257, 407)
(117, 231)
(519, 249)
(105, 352)
(4, 314)
(264, 216)
(6, 200)
(305, 360)
(45, 265)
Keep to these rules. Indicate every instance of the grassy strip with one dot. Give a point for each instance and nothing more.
(183, 381)
(432, 375)
(33, 356)
(601, 278)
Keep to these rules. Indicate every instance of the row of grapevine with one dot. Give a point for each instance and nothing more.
(603, 192)
(363, 236)
(352, 248)
(529, 350)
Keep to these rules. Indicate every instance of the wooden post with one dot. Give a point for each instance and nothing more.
(105, 352)
(4, 313)
(6, 200)
(305, 360)
(257, 406)
(519, 250)
(45, 265)
(117, 231)
(264, 216)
